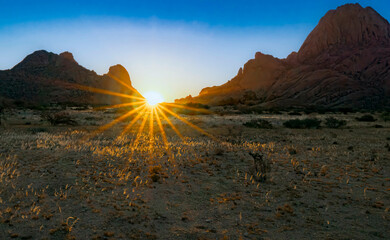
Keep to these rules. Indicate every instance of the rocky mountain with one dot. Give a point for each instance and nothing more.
(44, 78)
(344, 62)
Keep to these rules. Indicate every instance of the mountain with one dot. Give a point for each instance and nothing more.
(344, 62)
(44, 78)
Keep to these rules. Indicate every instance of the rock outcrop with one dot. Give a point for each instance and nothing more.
(344, 62)
(349, 26)
(44, 78)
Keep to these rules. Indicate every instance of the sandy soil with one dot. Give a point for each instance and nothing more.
(323, 183)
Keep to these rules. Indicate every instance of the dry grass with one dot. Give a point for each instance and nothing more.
(53, 185)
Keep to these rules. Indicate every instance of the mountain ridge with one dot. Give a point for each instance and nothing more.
(44, 77)
(344, 62)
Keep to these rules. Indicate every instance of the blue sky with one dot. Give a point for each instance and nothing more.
(172, 47)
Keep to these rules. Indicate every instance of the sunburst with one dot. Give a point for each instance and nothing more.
(149, 107)
(153, 98)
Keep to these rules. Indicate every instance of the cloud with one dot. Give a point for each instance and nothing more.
(173, 58)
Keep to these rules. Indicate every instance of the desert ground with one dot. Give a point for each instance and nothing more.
(60, 182)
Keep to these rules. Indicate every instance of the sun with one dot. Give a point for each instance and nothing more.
(151, 108)
(153, 98)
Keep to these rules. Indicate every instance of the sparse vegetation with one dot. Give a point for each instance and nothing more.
(258, 123)
(58, 118)
(385, 116)
(197, 105)
(275, 111)
(48, 178)
(192, 109)
(1, 113)
(292, 150)
(366, 118)
(243, 109)
(261, 167)
(312, 123)
(37, 130)
(332, 122)
(295, 113)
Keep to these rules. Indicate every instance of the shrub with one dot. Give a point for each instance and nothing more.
(385, 116)
(1, 113)
(193, 109)
(332, 122)
(319, 110)
(346, 110)
(304, 123)
(198, 105)
(37, 130)
(59, 118)
(366, 118)
(155, 172)
(261, 167)
(291, 150)
(243, 109)
(258, 123)
(93, 118)
(295, 113)
(274, 111)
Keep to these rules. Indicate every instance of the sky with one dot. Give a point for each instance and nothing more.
(174, 47)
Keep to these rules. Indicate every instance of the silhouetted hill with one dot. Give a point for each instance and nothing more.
(344, 62)
(44, 78)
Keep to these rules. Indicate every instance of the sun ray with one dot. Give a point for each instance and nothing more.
(103, 91)
(163, 135)
(154, 108)
(120, 105)
(189, 123)
(186, 107)
(139, 115)
(123, 84)
(141, 127)
(151, 124)
(170, 123)
(112, 123)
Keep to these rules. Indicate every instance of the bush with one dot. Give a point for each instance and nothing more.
(59, 118)
(198, 105)
(261, 167)
(37, 130)
(258, 123)
(243, 109)
(1, 113)
(193, 109)
(319, 110)
(346, 110)
(274, 111)
(304, 123)
(332, 122)
(295, 113)
(385, 116)
(366, 118)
